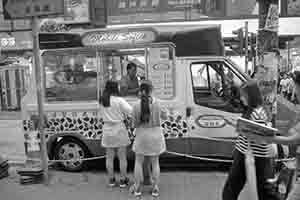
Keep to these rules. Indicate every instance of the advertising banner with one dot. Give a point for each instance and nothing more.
(133, 11)
(267, 79)
(75, 12)
(16, 41)
(272, 21)
(293, 7)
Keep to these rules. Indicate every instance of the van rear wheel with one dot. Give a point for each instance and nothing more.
(71, 150)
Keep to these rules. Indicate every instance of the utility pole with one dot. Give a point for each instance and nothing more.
(253, 50)
(40, 97)
(246, 47)
(266, 70)
(289, 56)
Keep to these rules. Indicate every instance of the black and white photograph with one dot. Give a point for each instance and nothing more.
(149, 99)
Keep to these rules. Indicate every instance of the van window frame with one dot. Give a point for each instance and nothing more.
(235, 72)
(98, 51)
(43, 71)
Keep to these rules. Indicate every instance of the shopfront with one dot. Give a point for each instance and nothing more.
(15, 64)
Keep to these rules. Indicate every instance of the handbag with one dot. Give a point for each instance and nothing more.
(286, 174)
(128, 122)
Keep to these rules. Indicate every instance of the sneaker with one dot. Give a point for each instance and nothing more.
(124, 182)
(136, 190)
(155, 191)
(112, 182)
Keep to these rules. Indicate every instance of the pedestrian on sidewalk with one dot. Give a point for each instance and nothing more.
(251, 157)
(149, 140)
(115, 137)
(292, 138)
(284, 84)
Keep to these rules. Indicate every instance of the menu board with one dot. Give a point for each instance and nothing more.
(161, 72)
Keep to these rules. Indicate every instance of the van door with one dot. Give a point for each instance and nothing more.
(215, 107)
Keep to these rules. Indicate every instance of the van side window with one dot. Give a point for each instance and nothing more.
(215, 85)
(70, 75)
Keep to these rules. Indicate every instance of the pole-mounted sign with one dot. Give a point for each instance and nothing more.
(23, 9)
(20, 9)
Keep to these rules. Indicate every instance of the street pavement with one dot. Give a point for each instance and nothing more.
(91, 185)
(12, 137)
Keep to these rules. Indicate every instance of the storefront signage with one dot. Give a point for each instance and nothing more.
(21, 40)
(19, 9)
(117, 38)
(75, 12)
(7, 42)
(272, 21)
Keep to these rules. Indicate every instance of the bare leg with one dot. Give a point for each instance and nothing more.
(155, 170)
(138, 169)
(110, 154)
(122, 156)
(147, 170)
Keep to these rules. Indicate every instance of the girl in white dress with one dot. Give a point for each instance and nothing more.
(149, 140)
(115, 137)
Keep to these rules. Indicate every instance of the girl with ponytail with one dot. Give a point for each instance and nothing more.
(115, 137)
(149, 140)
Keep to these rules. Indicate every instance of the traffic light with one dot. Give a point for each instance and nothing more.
(240, 40)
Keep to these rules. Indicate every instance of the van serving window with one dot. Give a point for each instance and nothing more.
(151, 63)
(70, 75)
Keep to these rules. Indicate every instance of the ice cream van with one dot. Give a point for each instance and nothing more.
(195, 83)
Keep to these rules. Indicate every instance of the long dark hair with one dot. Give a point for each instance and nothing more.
(145, 90)
(111, 88)
(254, 96)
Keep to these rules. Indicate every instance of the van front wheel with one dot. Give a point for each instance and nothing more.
(72, 151)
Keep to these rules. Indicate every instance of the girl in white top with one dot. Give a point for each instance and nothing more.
(115, 136)
(149, 140)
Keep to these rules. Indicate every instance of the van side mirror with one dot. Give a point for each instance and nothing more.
(188, 112)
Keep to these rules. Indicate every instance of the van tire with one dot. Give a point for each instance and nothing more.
(69, 148)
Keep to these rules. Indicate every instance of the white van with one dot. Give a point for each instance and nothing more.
(196, 84)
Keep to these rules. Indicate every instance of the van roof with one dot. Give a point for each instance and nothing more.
(189, 40)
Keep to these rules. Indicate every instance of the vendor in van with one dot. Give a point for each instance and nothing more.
(129, 84)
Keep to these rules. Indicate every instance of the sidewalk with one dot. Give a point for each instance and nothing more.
(11, 137)
(92, 186)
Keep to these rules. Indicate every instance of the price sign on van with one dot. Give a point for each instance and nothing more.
(161, 72)
(211, 121)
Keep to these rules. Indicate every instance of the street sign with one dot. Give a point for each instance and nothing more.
(7, 42)
(20, 9)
